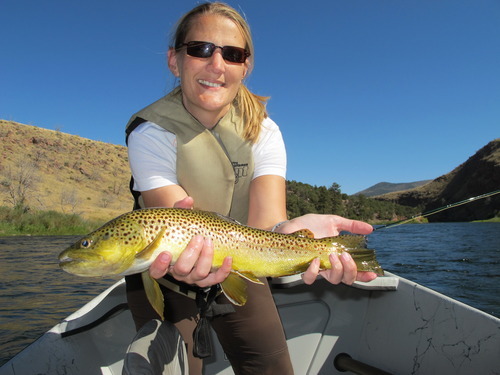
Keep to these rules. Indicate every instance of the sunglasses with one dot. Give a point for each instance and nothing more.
(206, 49)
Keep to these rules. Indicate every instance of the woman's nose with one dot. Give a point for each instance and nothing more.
(216, 62)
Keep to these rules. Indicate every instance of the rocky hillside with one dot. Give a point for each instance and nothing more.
(50, 170)
(480, 174)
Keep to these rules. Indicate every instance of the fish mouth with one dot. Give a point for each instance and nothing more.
(66, 261)
(80, 267)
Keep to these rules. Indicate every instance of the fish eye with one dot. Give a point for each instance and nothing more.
(85, 243)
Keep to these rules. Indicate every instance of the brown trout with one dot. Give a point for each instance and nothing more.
(129, 243)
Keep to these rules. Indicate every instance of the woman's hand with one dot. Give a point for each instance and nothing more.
(325, 225)
(194, 265)
(343, 267)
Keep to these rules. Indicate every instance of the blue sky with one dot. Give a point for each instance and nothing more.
(364, 91)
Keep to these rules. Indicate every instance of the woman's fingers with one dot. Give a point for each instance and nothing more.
(343, 270)
(160, 265)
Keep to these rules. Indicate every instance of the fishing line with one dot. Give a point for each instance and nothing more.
(431, 212)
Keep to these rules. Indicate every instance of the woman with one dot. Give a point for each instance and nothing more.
(209, 144)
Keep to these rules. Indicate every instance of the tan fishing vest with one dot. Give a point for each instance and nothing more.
(215, 167)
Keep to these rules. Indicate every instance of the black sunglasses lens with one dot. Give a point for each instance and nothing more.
(200, 49)
(234, 54)
(204, 50)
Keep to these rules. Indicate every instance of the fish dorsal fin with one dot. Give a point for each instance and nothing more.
(153, 292)
(149, 250)
(226, 218)
(351, 241)
(306, 233)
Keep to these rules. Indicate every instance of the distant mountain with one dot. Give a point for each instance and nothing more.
(389, 187)
(480, 174)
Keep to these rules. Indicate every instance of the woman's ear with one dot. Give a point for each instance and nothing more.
(245, 71)
(172, 62)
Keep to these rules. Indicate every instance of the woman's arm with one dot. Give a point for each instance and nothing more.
(152, 154)
(166, 196)
(267, 202)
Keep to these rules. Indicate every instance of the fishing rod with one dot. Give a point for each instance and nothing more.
(436, 210)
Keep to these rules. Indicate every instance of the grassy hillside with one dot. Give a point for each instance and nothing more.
(48, 170)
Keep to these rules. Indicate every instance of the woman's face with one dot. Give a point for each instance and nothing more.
(209, 85)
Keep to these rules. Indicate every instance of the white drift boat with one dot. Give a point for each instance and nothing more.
(390, 325)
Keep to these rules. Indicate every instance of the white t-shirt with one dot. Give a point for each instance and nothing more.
(152, 153)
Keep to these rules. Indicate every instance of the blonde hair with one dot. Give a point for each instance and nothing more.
(251, 107)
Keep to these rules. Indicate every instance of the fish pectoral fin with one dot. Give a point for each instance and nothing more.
(149, 250)
(303, 233)
(153, 292)
(249, 276)
(235, 289)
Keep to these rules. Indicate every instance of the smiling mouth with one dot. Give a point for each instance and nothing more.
(210, 84)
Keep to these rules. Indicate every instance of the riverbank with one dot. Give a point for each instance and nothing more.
(19, 222)
(493, 220)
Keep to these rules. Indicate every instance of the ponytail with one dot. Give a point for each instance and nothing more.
(252, 110)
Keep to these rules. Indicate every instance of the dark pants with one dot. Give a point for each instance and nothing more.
(252, 337)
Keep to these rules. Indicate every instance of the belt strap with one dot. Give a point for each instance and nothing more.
(174, 285)
(207, 308)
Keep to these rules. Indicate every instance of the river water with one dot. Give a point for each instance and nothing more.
(461, 260)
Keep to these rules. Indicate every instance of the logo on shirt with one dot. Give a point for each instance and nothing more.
(240, 170)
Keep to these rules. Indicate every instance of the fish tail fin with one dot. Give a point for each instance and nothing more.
(364, 258)
(366, 261)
